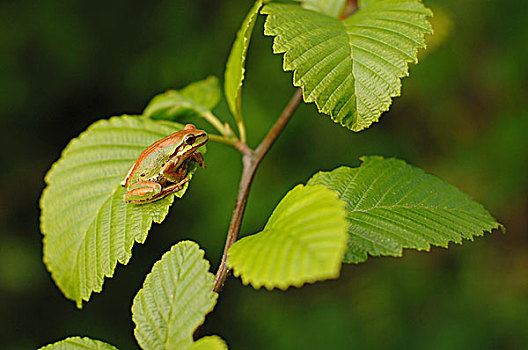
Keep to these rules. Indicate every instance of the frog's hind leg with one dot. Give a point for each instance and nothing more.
(173, 188)
(142, 192)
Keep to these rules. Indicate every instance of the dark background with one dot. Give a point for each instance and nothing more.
(463, 117)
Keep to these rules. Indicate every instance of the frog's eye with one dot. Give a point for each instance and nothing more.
(189, 139)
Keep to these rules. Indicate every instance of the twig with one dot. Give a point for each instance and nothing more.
(223, 140)
(242, 130)
(251, 160)
(350, 8)
(214, 121)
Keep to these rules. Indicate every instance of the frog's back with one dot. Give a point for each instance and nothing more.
(150, 167)
(149, 163)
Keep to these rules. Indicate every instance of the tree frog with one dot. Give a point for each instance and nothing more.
(161, 169)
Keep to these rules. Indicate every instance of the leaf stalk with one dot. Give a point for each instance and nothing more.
(242, 130)
(224, 129)
(228, 141)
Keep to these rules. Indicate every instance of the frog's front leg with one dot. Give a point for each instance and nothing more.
(175, 174)
(198, 158)
(142, 192)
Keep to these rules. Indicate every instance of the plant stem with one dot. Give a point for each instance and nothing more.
(279, 125)
(223, 140)
(350, 8)
(242, 131)
(251, 160)
(214, 121)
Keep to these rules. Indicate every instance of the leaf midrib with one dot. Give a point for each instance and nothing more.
(173, 302)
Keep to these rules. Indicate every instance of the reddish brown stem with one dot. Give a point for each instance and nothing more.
(351, 6)
(251, 160)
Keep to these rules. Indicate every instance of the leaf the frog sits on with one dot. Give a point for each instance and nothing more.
(162, 168)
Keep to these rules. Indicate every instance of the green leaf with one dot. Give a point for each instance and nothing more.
(194, 100)
(78, 343)
(87, 226)
(211, 342)
(176, 296)
(392, 205)
(235, 66)
(350, 68)
(331, 8)
(303, 241)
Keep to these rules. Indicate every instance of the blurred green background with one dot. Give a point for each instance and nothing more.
(463, 117)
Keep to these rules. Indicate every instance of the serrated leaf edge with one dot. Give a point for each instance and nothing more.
(146, 283)
(122, 260)
(335, 273)
(471, 238)
(355, 124)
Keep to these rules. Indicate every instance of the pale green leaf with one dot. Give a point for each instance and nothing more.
(205, 93)
(350, 68)
(235, 66)
(392, 205)
(194, 100)
(211, 342)
(78, 343)
(303, 241)
(331, 8)
(87, 226)
(176, 296)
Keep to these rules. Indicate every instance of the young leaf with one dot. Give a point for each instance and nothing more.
(303, 241)
(87, 226)
(211, 342)
(78, 343)
(235, 66)
(331, 8)
(194, 100)
(176, 296)
(351, 68)
(392, 205)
